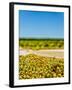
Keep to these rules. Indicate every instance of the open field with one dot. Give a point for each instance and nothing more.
(48, 53)
(35, 66)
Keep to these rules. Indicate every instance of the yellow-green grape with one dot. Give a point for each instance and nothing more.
(34, 66)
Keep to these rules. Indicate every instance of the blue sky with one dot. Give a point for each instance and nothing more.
(35, 24)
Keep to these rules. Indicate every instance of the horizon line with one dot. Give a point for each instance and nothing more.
(39, 38)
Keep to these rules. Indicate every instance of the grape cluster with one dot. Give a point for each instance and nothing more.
(35, 66)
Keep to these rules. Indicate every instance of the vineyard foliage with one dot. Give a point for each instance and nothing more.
(38, 44)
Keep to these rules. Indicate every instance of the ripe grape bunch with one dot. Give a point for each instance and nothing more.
(34, 66)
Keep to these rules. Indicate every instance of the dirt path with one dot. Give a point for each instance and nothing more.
(48, 53)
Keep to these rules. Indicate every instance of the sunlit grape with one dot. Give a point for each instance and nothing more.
(35, 66)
